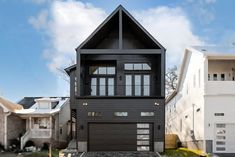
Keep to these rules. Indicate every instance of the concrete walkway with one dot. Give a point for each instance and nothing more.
(120, 154)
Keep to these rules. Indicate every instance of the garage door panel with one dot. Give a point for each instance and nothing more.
(113, 137)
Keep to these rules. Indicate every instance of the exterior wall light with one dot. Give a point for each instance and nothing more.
(85, 104)
(156, 104)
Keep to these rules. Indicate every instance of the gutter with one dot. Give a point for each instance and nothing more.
(5, 129)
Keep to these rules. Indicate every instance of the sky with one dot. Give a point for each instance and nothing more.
(38, 37)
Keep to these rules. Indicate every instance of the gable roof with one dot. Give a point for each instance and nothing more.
(120, 9)
(27, 102)
(10, 105)
(69, 69)
(181, 74)
(32, 104)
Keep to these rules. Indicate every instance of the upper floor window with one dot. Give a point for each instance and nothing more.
(137, 66)
(102, 80)
(102, 70)
(215, 78)
(222, 77)
(137, 85)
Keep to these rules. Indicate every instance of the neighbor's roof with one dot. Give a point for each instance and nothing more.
(215, 50)
(10, 105)
(33, 105)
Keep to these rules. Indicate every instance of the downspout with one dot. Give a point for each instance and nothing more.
(5, 129)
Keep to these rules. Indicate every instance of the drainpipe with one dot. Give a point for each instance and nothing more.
(5, 129)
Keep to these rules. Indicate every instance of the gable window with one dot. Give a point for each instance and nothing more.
(137, 66)
(102, 80)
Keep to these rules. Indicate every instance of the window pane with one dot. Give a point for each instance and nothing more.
(142, 125)
(146, 66)
(102, 86)
(138, 67)
(128, 85)
(111, 70)
(111, 86)
(102, 70)
(146, 90)
(120, 114)
(93, 86)
(215, 77)
(143, 148)
(147, 113)
(142, 131)
(146, 85)
(146, 80)
(137, 85)
(93, 70)
(128, 66)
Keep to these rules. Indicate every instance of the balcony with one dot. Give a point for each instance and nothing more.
(220, 87)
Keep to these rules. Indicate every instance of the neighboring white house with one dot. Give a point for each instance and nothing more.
(46, 119)
(202, 109)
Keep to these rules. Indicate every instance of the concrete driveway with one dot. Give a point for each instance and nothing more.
(119, 154)
(224, 155)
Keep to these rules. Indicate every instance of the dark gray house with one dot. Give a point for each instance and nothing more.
(117, 88)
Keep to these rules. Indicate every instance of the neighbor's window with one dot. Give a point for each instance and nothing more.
(222, 77)
(120, 114)
(215, 78)
(219, 114)
(209, 77)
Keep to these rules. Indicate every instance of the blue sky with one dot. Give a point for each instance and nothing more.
(30, 32)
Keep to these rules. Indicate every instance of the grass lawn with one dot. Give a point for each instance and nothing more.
(55, 153)
(179, 153)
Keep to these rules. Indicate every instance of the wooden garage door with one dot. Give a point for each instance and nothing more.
(120, 137)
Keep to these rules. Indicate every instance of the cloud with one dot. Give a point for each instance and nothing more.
(172, 28)
(203, 9)
(40, 21)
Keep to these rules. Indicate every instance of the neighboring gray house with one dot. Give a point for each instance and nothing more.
(10, 123)
(46, 119)
(118, 88)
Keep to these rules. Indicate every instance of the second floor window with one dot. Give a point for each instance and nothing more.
(137, 85)
(102, 80)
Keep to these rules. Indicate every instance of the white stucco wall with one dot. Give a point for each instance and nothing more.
(218, 104)
(188, 100)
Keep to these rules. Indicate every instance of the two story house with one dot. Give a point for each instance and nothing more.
(117, 88)
(202, 110)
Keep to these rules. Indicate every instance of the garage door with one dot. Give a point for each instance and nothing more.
(120, 137)
(224, 138)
